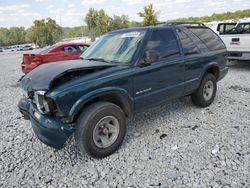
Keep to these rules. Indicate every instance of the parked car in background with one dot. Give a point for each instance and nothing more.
(123, 72)
(8, 49)
(26, 48)
(13, 48)
(55, 53)
(236, 39)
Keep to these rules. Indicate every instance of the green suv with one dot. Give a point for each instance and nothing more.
(123, 72)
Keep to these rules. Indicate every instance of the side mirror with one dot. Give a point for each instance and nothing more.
(149, 57)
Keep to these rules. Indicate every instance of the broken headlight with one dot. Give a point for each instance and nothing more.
(27, 95)
(43, 103)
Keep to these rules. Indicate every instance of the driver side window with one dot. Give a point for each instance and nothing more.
(164, 43)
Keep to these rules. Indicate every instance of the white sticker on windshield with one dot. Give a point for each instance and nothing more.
(131, 34)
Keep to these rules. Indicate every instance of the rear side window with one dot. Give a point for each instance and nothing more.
(224, 27)
(164, 42)
(211, 40)
(70, 49)
(229, 27)
(187, 43)
(46, 49)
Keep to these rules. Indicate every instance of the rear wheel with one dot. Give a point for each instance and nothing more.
(100, 129)
(206, 92)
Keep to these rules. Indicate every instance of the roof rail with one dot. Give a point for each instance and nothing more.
(199, 24)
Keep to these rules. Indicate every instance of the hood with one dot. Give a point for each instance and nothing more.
(42, 77)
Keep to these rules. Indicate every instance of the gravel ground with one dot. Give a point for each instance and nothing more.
(172, 145)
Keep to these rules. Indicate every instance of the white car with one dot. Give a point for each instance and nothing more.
(25, 48)
(13, 48)
(236, 39)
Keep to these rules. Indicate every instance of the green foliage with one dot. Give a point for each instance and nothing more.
(71, 32)
(4, 36)
(14, 35)
(44, 32)
(134, 24)
(218, 17)
(149, 15)
(99, 22)
(17, 35)
(119, 22)
(91, 17)
(103, 22)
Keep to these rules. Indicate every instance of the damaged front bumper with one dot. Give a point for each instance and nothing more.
(50, 130)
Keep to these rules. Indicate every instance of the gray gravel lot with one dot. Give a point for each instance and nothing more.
(172, 145)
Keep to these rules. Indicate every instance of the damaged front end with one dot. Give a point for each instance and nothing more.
(49, 129)
(42, 110)
(44, 77)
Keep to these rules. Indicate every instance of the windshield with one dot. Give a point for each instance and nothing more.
(115, 47)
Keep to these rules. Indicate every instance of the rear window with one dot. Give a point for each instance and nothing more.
(209, 38)
(46, 49)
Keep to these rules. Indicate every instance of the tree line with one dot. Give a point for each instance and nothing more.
(218, 17)
(42, 33)
(47, 32)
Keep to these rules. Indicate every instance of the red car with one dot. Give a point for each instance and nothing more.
(57, 52)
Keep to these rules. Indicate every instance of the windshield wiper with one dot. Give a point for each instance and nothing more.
(97, 59)
(116, 62)
(103, 60)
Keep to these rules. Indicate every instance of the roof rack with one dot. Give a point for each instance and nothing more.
(199, 24)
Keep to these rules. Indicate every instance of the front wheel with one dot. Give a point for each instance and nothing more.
(206, 92)
(100, 129)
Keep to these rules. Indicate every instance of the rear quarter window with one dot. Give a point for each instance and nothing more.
(71, 49)
(188, 46)
(46, 49)
(209, 38)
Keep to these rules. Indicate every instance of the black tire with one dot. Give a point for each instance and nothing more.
(87, 122)
(199, 98)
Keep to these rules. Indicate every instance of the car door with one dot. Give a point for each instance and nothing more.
(163, 79)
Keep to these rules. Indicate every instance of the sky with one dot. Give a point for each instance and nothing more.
(69, 13)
